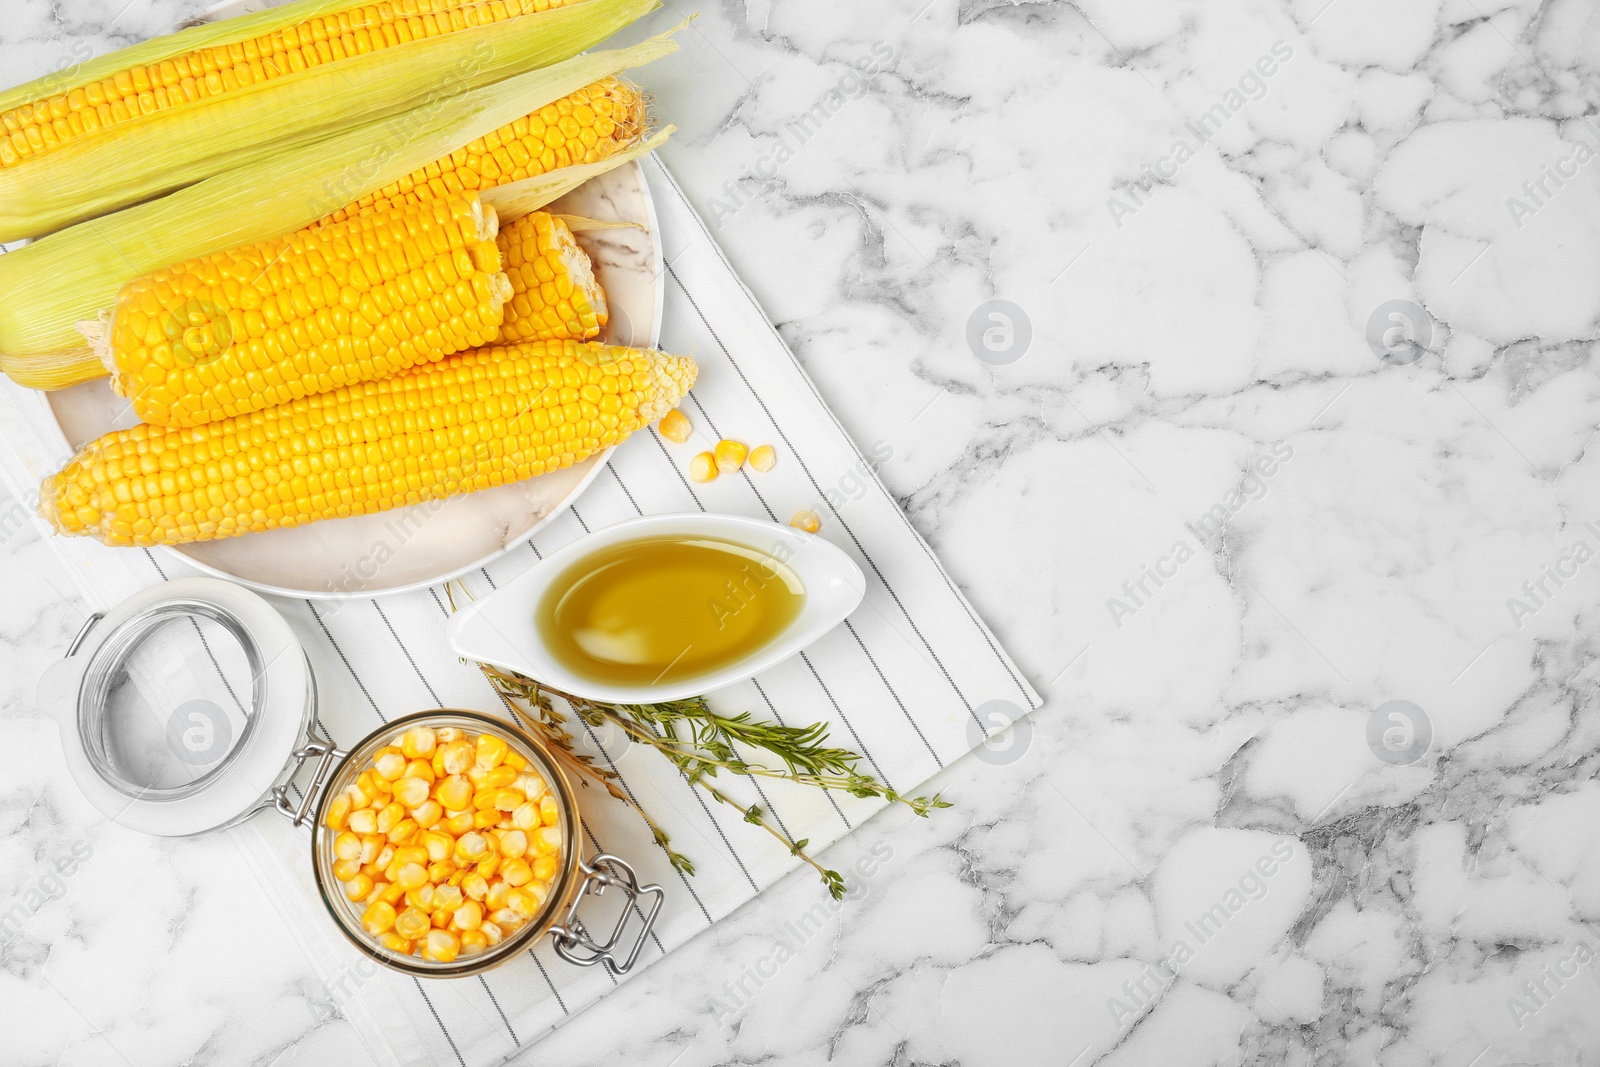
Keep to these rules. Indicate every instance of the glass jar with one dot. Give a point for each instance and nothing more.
(192, 706)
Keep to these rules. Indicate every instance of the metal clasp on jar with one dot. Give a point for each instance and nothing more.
(573, 941)
(327, 755)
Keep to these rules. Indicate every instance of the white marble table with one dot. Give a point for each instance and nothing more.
(1302, 427)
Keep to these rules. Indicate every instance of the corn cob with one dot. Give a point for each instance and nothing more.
(74, 275)
(268, 323)
(474, 420)
(62, 111)
(554, 294)
(587, 126)
(167, 150)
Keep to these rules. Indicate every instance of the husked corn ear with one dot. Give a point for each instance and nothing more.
(271, 322)
(554, 294)
(471, 421)
(72, 111)
(586, 126)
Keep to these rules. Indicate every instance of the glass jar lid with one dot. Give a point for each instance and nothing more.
(181, 708)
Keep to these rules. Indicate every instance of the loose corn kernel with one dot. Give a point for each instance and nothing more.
(455, 792)
(516, 873)
(344, 870)
(338, 811)
(378, 918)
(412, 924)
(421, 768)
(388, 818)
(491, 750)
(441, 946)
(358, 887)
(427, 814)
(515, 761)
(675, 427)
(549, 810)
(460, 823)
(418, 742)
(807, 520)
(513, 843)
(411, 792)
(475, 886)
(491, 932)
(469, 916)
(730, 455)
(473, 942)
(547, 841)
(395, 943)
(458, 756)
(446, 734)
(703, 467)
(533, 786)
(364, 821)
(545, 867)
(763, 458)
(526, 817)
(347, 846)
(391, 765)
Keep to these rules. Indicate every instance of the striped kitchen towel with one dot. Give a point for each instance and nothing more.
(904, 681)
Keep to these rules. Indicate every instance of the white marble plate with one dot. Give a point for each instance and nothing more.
(410, 548)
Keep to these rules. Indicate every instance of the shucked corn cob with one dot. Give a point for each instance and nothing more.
(474, 420)
(238, 331)
(65, 110)
(554, 294)
(587, 126)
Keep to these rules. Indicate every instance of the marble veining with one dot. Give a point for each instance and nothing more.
(1272, 469)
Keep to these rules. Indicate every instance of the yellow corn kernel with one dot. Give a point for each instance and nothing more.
(446, 734)
(484, 818)
(378, 918)
(763, 458)
(358, 887)
(507, 919)
(395, 943)
(411, 924)
(455, 792)
(469, 916)
(363, 821)
(516, 872)
(730, 456)
(513, 843)
(675, 427)
(549, 810)
(441, 918)
(442, 871)
(533, 786)
(344, 870)
(371, 845)
(367, 782)
(421, 768)
(427, 814)
(491, 751)
(347, 846)
(440, 946)
(458, 756)
(495, 899)
(437, 845)
(547, 841)
(410, 876)
(391, 765)
(387, 818)
(807, 520)
(475, 886)
(508, 799)
(499, 777)
(515, 761)
(703, 467)
(484, 798)
(411, 792)
(338, 811)
(459, 823)
(491, 932)
(420, 898)
(528, 900)
(474, 942)
(447, 897)
(526, 817)
(471, 846)
(489, 864)
(385, 857)
(391, 894)
(545, 868)
(418, 742)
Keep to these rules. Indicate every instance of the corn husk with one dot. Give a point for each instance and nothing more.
(167, 150)
(71, 276)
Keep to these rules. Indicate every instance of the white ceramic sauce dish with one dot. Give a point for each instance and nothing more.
(501, 629)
